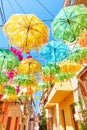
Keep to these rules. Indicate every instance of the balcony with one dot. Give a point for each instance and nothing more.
(57, 94)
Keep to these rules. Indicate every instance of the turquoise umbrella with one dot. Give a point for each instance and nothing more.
(55, 51)
(69, 22)
(8, 60)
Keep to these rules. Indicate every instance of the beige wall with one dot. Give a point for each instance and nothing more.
(64, 106)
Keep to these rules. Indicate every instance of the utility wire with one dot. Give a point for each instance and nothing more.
(20, 7)
(11, 6)
(3, 13)
(1, 17)
(45, 8)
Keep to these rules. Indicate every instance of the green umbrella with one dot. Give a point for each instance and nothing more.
(69, 22)
(64, 76)
(8, 60)
(3, 77)
(79, 55)
(10, 90)
(43, 85)
(50, 68)
(25, 80)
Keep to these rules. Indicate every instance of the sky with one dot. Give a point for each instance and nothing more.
(44, 9)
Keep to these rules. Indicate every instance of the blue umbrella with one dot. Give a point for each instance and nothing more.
(55, 51)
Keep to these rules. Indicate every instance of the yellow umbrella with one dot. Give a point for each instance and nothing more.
(26, 31)
(70, 67)
(29, 66)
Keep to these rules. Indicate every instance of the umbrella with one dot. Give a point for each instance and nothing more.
(82, 40)
(43, 85)
(3, 78)
(48, 78)
(69, 22)
(55, 51)
(29, 66)
(71, 67)
(79, 56)
(26, 31)
(50, 69)
(1, 89)
(64, 76)
(8, 60)
(25, 80)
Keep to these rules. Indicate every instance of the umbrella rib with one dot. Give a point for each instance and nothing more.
(28, 29)
(59, 21)
(17, 29)
(78, 15)
(69, 22)
(36, 30)
(78, 23)
(57, 28)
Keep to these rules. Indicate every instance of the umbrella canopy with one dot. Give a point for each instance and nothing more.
(82, 40)
(3, 78)
(70, 22)
(55, 51)
(48, 78)
(26, 31)
(79, 56)
(1, 89)
(7, 60)
(43, 85)
(71, 67)
(25, 80)
(29, 66)
(50, 69)
(64, 76)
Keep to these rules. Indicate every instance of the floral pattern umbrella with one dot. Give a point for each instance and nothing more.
(8, 60)
(26, 31)
(55, 51)
(29, 66)
(70, 22)
(25, 80)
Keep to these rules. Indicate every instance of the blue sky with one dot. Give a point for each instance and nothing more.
(44, 9)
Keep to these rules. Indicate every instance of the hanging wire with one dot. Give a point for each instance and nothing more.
(45, 8)
(4, 17)
(20, 7)
(1, 17)
(11, 6)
